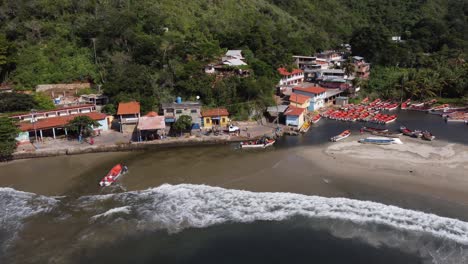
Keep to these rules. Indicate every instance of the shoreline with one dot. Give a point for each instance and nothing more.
(131, 146)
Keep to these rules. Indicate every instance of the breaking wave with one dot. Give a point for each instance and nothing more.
(15, 206)
(176, 207)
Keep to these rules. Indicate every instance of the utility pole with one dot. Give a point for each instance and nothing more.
(33, 121)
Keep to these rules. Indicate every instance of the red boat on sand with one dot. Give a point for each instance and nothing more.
(316, 118)
(113, 174)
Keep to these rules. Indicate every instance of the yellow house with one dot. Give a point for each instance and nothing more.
(299, 100)
(215, 117)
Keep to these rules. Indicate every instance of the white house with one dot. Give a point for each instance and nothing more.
(294, 116)
(294, 77)
(233, 58)
(317, 96)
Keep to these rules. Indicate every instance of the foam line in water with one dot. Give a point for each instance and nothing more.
(179, 206)
(15, 206)
(122, 210)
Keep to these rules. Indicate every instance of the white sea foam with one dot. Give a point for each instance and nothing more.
(15, 206)
(176, 207)
(122, 210)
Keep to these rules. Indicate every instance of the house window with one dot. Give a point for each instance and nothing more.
(170, 110)
(178, 111)
(207, 120)
(223, 120)
(193, 111)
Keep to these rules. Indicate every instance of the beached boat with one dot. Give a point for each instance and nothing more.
(305, 127)
(372, 129)
(316, 118)
(261, 143)
(113, 174)
(341, 136)
(427, 136)
(405, 104)
(386, 134)
(380, 140)
(410, 133)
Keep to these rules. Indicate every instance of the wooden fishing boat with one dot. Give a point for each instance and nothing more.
(305, 127)
(411, 133)
(341, 136)
(427, 136)
(405, 104)
(380, 140)
(372, 129)
(386, 134)
(117, 171)
(316, 118)
(261, 143)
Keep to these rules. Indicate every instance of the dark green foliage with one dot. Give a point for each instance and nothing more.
(109, 109)
(153, 51)
(183, 123)
(8, 133)
(16, 102)
(43, 101)
(82, 125)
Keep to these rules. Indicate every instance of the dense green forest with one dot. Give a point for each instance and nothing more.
(152, 51)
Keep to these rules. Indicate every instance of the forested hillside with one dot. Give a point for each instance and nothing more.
(154, 50)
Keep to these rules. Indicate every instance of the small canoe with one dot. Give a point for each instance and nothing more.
(341, 136)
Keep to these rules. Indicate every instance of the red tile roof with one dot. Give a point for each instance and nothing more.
(128, 108)
(310, 89)
(215, 112)
(152, 114)
(285, 72)
(294, 111)
(60, 121)
(298, 98)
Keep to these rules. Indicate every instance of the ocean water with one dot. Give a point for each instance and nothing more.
(202, 224)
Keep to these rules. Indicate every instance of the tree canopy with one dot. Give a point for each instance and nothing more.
(8, 133)
(153, 51)
(82, 125)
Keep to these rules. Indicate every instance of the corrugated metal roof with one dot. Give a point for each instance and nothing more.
(151, 123)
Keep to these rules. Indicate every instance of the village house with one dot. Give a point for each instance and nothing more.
(317, 96)
(362, 68)
(128, 113)
(329, 55)
(295, 116)
(295, 77)
(299, 100)
(62, 111)
(151, 126)
(304, 62)
(215, 117)
(231, 63)
(56, 126)
(172, 111)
